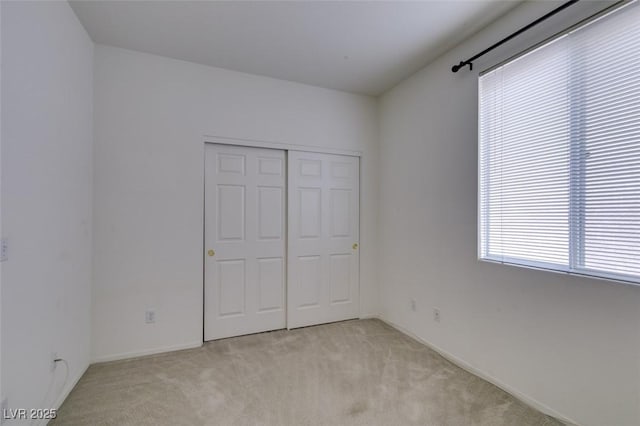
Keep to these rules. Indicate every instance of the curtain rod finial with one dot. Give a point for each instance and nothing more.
(457, 68)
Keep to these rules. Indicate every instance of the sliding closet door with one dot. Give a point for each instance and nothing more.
(244, 289)
(323, 231)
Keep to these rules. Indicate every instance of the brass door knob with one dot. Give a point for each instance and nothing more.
(355, 246)
(211, 253)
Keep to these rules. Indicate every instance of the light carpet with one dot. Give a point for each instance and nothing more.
(359, 372)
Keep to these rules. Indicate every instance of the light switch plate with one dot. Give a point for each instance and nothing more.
(4, 250)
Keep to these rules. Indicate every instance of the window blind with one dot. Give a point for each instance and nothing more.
(559, 154)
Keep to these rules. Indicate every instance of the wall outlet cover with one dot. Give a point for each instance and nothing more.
(52, 360)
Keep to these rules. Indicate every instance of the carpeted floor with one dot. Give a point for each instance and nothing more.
(359, 372)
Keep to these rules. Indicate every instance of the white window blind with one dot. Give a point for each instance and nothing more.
(559, 155)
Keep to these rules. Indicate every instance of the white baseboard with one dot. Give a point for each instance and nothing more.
(135, 354)
(531, 402)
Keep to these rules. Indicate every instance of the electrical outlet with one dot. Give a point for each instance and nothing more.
(52, 360)
(4, 250)
(413, 305)
(436, 314)
(150, 316)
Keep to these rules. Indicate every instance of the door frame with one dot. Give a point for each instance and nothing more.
(253, 143)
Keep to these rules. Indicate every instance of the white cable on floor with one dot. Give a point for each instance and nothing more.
(51, 382)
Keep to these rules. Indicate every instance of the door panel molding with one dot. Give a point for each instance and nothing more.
(323, 236)
(309, 271)
(245, 241)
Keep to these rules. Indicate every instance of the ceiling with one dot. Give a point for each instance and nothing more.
(355, 46)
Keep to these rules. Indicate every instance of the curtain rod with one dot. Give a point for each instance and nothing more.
(469, 61)
(609, 9)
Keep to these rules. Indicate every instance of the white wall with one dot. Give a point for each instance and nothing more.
(47, 60)
(569, 344)
(151, 114)
(1, 234)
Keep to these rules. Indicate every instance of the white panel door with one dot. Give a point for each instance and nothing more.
(244, 289)
(323, 232)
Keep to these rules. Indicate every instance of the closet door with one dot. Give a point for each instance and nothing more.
(244, 290)
(323, 232)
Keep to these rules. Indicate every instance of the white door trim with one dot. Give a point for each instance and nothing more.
(277, 145)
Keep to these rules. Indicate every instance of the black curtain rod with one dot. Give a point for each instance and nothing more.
(469, 61)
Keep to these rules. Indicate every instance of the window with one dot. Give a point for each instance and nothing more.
(559, 155)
